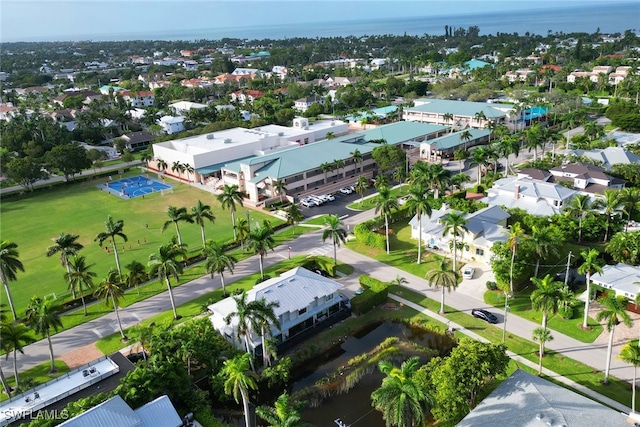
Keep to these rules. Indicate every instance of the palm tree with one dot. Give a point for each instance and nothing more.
(614, 311)
(80, 277)
(279, 187)
(217, 261)
(246, 321)
(294, 216)
(466, 137)
(14, 337)
(362, 184)
(541, 336)
(66, 246)
(162, 165)
(42, 316)
(264, 317)
(545, 244)
(176, 215)
(165, 265)
(260, 240)
(630, 353)
(480, 156)
(137, 274)
(201, 213)
(4, 348)
(356, 155)
(283, 414)
(460, 155)
(385, 203)
(579, 206)
(454, 223)
(326, 168)
(339, 165)
(177, 167)
(111, 288)
(114, 229)
(380, 181)
(591, 265)
(516, 234)
(545, 297)
(609, 206)
(509, 145)
(242, 229)
(190, 170)
(400, 398)
(9, 266)
(238, 380)
(480, 116)
(419, 205)
(630, 202)
(228, 198)
(447, 117)
(442, 276)
(335, 231)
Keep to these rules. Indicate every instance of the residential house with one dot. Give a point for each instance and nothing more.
(7, 112)
(624, 279)
(303, 104)
(484, 228)
(108, 90)
(526, 400)
(341, 81)
(305, 300)
(196, 83)
(180, 107)
(170, 124)
(143, 98)
(247, 72)
(148, 78)
(65, 117)
(138, 140)
(607, 157)
(246, 96)
(190, 65)
(82, 94)
(586, 178)
(536, 197)
(519, 75)
(115, 412)
(157, 84)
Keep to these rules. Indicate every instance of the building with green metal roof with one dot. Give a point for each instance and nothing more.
(301, 167)
(458, 114)
(434, 150)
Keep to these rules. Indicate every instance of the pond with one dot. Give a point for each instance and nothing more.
(354, 408)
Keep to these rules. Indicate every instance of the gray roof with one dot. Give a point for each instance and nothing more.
(533, 195)
(525, 400)
(620, 277)
(608, 156)
(461, 108)
(159, 413)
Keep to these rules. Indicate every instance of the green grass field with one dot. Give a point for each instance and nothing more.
(81, 208)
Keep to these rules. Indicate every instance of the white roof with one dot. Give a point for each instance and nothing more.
(534, 195)
(186, 105)
(620, 277)
(608, 156)
(171, 119)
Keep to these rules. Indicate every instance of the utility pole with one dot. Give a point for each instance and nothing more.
(566, 274)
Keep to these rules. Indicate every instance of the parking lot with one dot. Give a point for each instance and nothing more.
(336, 207)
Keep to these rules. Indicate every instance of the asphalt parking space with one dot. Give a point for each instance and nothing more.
(337, 207)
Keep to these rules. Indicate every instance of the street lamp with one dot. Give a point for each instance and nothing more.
(506, 312)
(289, 252)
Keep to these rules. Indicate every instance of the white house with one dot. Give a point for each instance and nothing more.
(170, 124)
(181, 107)
(303, 104)
(536, 197)
(144, 98)
(588, 178)
(484, 228)
(305, 300)
(608, 156)
(624, 279)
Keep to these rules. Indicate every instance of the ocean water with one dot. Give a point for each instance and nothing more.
(617, 17)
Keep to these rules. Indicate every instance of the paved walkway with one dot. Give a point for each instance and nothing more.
(592, 355)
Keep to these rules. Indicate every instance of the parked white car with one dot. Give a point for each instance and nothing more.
(467, 272)
(346, 190)
(307, 203)
(328, 197)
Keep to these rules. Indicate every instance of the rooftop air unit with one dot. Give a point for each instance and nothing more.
(227, 141)
(210, 136)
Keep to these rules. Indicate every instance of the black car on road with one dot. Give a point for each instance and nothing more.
(484, 315)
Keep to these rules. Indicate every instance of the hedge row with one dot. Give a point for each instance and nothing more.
(364, 234)
(375, 293)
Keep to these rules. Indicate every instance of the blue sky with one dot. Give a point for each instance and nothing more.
(49, 19)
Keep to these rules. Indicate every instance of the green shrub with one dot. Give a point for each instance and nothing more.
(566, 312)
(364, 235)
(492, 286)
(262, 279)
(375, 293)
(368, 282)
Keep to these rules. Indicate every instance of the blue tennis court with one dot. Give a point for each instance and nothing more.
(136, 186)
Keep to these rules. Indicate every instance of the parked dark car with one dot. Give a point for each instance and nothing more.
(484, 315)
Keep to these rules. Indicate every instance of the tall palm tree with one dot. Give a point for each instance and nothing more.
(447, 117)
(259, 241)
(480, 116)
(400, 398)
(541, 336)
(442, 276)
(238, 380)
(165, 264)
(294, 216)
(334, 230)
(579, 206)
(9, 266)
(610, 204)
(177, 167)
(283, 414)
(279, 187)
(201, 213)
(385, 203)
(5, 349)
(419, 205)
(176, 215)
(455, 224)
(339, 165)
(326, 168)
(630, 353)
(111, 288)
(14, 337)
(242, 229)
(480, 156)
(42, 316)
(362, 184)
(460, 156)
(190, 170)
(67, 246)
(137, 274)
(217, 261)
(545, 297)
(264, 318)
(591, 264)
(614, 311)
(114, 229)
(516, 235)
(466, 136)
(246, 321)
(356, 156)
(509, 145)
(545, 244)
(162, 165)
(80, 277)
(630, 202)
(229, 197)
